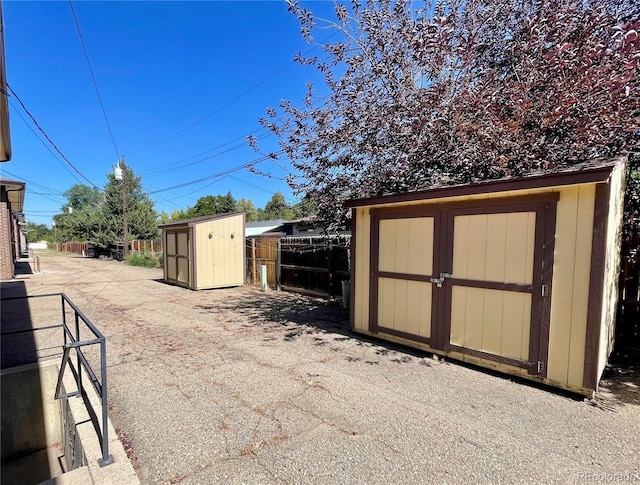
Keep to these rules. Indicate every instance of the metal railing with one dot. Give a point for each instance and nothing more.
(72, 342)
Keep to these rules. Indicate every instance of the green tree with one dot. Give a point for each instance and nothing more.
(39, 232)
(213, 204)
(142, 219)
(306, 207)
(278, 208)
(80, 195)
(247, 206)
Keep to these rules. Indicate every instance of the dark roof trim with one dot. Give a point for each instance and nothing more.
(15, 193)
(573, 175)
(197, 220)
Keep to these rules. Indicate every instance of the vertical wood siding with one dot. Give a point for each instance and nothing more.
(220, 258)
(406, 246)
(363, 247)
(491, 321)
(494, 247)
(182, 249)
(612, 266)
(570, 294)
(570, 286)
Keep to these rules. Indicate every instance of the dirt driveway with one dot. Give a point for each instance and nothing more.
(237, 386)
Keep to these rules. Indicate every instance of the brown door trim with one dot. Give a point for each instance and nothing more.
(375, 274)
(544, 206)
(176, 256)
(542, 275)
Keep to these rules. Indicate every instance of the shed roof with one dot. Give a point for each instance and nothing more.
(197, 220)
(595, 170)
(15, 193)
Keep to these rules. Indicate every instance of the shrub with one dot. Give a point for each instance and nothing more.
(146, 259)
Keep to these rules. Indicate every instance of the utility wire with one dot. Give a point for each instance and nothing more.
(219, 174)
(43, 142)
(169, 167)
(57, 192)
(93, 77)
(242, 95)
(47, 137)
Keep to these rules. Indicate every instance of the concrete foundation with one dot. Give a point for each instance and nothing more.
(51, 441)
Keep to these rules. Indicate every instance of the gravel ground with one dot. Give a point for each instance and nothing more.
(237, 386)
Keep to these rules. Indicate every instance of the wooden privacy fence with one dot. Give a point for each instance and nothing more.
(135, 246)
(145, 245)
(628, 316)
(315, 265)
(73, 247)
(262, 251)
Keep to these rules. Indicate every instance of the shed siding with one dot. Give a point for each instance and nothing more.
(220, 258)
(612, 265)
(485, 250)
(406, 245)
(491, 321)
(363, 251)
(570, 285)
(405, 306)
(570, 294)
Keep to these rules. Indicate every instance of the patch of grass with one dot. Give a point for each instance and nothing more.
(146, 260)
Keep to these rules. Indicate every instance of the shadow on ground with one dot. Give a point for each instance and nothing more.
(304, 315)
(23, 268)
(620, 384)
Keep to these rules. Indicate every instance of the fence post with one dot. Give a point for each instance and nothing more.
(330, 268)
(278, 260)
(253, 261)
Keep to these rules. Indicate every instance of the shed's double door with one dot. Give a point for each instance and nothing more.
(177, 258)
(473, 279)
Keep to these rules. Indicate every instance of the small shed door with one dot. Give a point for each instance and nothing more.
(403, 265)
(178, 257)
(467, 278)
(496, 296)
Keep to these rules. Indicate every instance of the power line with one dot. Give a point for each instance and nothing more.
(47, 137)
(169, 167)
(220, 108)
(33, 183)
(43, 143)
(93, 77)
(220, 174)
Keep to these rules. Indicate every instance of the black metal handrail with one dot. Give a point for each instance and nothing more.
(71, 339)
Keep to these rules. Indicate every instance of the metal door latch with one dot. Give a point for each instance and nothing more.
(440, 281)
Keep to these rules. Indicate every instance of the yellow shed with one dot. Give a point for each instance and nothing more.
(518, 274)
(205, 252)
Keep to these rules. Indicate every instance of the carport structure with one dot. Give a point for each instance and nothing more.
(517, 274)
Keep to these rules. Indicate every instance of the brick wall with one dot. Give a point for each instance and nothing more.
(6, 252)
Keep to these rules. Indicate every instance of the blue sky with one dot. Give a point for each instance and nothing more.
(161, 68)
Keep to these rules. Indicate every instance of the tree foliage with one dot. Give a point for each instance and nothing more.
(211, 205)
(38, 232)
(247, 206)
(96, 216)
(79, 196)
(142, 219)
(458, 91)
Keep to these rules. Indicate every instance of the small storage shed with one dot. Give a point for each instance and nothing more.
(205, 252)
(516, 274)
